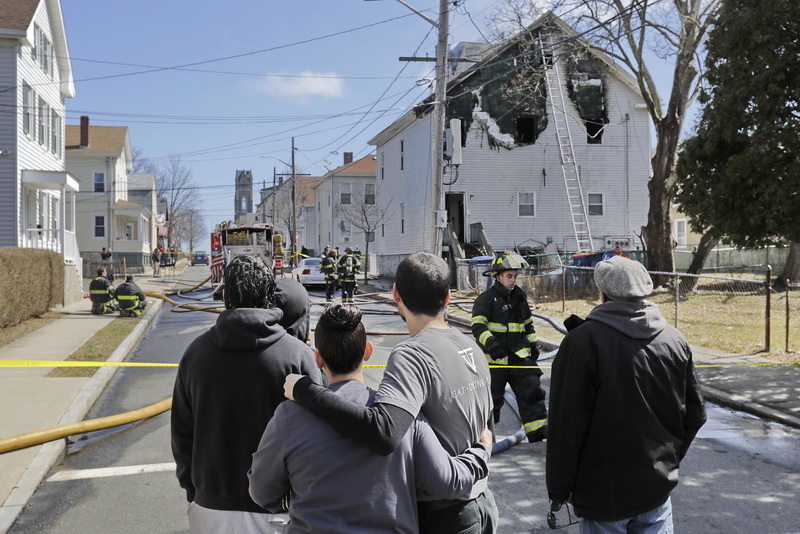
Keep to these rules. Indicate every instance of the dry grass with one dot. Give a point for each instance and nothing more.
(727, 321)
(100, 347)
(12, 333)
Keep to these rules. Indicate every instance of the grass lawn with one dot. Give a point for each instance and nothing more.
(100, 347)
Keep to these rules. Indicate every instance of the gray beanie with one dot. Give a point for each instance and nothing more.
(620, 278)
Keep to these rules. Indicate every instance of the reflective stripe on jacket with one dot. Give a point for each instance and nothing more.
(502, 323)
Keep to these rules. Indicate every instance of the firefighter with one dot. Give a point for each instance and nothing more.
(101, 292)
(330, 270)
(130, 297)
(349, 267)
(503, 326)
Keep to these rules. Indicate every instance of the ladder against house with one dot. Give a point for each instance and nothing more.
(569, 167)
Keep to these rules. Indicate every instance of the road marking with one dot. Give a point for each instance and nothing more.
(104, 472)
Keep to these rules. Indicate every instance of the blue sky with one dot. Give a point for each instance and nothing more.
(221, 83)
(323, 71)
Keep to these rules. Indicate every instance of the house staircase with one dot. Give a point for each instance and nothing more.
(569, 167)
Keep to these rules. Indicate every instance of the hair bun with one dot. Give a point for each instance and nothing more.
(341, 317)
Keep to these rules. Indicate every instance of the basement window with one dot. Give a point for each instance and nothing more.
(594, 132)
(526, 130)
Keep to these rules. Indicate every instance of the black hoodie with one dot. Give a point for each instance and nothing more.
(229, 383)
(625, 404)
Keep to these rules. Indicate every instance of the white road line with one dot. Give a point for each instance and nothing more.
(102, 472)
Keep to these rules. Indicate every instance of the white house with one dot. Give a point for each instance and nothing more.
(345, 200)
(554, 153)
(37, 195)
(100, 159)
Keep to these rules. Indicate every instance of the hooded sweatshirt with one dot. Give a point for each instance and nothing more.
(229, 383)
(292, 298)
(625, 404)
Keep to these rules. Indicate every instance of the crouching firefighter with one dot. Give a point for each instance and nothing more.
(503, 326)
(130, 297)
(101, 293)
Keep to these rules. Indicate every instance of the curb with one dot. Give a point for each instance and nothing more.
(744, 404)
(51, 452)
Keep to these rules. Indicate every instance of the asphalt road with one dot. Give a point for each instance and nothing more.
(741, 475)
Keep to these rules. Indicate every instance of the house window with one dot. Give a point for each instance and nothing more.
(382, 160)
(344, 193)
(99, 182)
(55, 134)
(383, 230)
(43, 118)
(27, 109)
(369, 194)
(595, 205)
(594, 132)
(99, 226)
(402, 153)
(46, 54)
(370, 237)
(526, 130)
(526, 204)
(402, 218)
(37, 37)
(680, 232)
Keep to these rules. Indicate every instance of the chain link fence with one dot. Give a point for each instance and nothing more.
(734, 313)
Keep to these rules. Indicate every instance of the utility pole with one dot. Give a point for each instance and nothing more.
(294, 211)
(438, 127)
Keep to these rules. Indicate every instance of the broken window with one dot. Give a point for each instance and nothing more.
(526, 130)
(594, 132)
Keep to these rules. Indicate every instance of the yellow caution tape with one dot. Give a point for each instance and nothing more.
(70, 363)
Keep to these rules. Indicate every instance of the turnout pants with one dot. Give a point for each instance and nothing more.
(527, 388)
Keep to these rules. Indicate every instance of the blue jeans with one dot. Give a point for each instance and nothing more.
(656, 521)
(478, 516)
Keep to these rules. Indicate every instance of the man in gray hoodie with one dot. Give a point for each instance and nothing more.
(625, 405)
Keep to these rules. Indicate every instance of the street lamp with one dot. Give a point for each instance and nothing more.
(294, 202)
(442, 26)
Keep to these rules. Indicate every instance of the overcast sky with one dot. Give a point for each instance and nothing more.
(222, 83)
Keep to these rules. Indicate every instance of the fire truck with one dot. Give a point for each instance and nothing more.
(229, 241)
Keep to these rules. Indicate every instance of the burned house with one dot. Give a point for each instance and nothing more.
(547, 147)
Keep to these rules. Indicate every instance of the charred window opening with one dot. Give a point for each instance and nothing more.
(527, 131)
(587, 90)
(594, 132)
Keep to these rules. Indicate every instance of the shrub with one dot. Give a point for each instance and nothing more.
(31, 283)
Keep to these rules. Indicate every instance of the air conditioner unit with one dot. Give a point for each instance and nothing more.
(618, 241)
(346, 239)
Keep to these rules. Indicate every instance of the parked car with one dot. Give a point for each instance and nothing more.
(308, 272)
(199, 257)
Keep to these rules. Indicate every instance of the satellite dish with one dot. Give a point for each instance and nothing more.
(326, 163)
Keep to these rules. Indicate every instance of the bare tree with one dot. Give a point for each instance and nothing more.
(195, 230)
(140, 164)
(367, 215)
(174, 183)
(628, 32)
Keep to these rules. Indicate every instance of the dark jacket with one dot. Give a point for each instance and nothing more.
(329, 268)
(355, 266)
(502, 324)
(101, 290)
(229, 382)
(625, 404)
(129, 296)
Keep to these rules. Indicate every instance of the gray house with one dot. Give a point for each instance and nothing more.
(548, 149)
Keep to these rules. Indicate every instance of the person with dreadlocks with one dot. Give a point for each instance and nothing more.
(229, 383)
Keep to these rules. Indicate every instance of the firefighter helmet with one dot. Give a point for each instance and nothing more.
(507, 261)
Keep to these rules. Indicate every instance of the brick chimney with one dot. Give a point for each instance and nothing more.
(84, 131)
(348, 157)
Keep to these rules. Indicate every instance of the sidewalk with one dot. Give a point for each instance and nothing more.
(31, 401)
